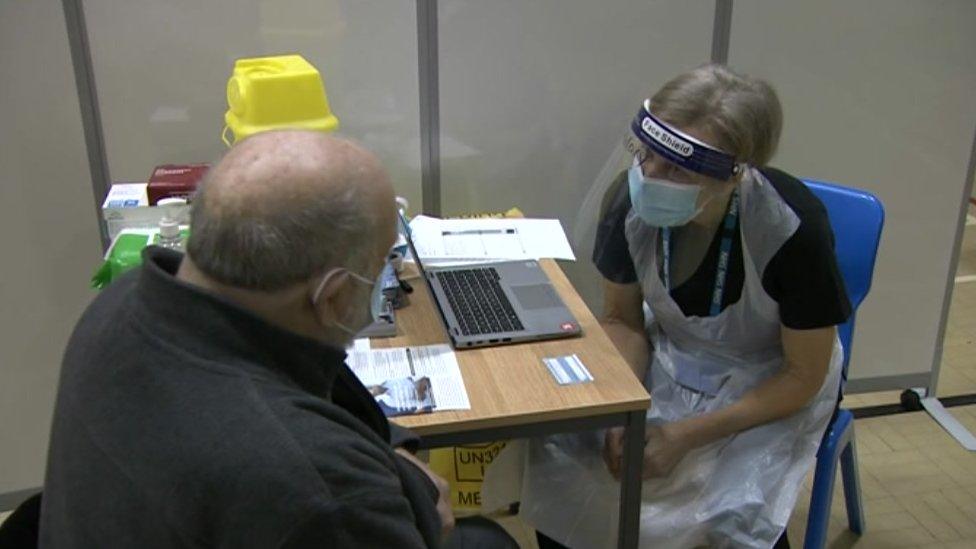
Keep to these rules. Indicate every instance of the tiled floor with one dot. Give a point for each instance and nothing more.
(919, 484)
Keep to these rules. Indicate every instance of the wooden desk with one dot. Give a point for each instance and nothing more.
(513, 395)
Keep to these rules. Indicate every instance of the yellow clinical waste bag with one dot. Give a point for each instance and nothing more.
(464, 469)
(268, 93)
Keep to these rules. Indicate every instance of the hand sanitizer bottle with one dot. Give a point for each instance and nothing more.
(169, 225)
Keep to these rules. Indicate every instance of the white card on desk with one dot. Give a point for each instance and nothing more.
(568, 370)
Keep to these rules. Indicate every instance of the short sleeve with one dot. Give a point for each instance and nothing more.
(803, 276)
(611, 255)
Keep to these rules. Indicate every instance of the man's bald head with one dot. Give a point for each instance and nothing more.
(284, 206)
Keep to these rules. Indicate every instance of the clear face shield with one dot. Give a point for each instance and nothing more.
(665, 174)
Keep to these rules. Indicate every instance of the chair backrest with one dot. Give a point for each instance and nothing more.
(857, 218)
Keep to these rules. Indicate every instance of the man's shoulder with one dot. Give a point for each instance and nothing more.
(155, 406)
(107, 307)
(229, 424)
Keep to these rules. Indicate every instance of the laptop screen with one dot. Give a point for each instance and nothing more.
(405, 229)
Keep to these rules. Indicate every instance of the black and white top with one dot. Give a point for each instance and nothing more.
(802, 276)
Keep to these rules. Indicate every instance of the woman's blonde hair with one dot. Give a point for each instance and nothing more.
(743, 113)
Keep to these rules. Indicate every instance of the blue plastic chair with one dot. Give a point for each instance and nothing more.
(857, 218)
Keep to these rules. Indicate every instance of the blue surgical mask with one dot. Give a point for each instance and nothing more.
(376, 300)
(661, 203)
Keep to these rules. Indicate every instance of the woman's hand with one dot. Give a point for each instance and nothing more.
(666, 446)
(613, 450)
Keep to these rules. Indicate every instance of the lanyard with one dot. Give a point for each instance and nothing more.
(725, 250)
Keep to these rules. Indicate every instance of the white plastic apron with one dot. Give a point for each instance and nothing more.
(735, 492)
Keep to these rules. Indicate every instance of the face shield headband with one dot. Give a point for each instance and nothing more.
(681, 148)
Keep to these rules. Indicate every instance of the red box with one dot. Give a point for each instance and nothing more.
(175, 181)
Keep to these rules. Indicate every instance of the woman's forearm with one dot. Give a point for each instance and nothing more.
(632, 344)
(780, 396)
(807, 357)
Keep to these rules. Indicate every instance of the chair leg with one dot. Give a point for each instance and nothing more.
(823, 489)
(852, 488)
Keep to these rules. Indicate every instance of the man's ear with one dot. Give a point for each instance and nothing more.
(331, 296)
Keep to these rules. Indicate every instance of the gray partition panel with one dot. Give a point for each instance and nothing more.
(878, 95)
(535, 95)
(162, 70)
(48, 231)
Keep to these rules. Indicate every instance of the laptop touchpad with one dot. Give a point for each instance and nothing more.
(536, 296)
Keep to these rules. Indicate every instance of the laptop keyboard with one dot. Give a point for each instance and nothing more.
(479, 303)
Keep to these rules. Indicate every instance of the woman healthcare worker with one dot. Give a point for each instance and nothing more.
(734, 262)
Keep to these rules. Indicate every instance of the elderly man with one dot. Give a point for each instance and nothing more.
(204, 400)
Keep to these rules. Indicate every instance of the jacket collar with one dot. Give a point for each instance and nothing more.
(208, 326)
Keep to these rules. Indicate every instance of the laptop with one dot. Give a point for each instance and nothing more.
(495, 303)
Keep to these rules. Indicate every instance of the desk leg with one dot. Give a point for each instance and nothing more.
(630, 486)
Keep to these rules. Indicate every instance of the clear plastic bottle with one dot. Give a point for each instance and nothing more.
(169, 226)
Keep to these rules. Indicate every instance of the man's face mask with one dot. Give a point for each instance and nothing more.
(375, 299)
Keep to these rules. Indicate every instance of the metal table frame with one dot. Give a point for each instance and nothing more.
(630, 490)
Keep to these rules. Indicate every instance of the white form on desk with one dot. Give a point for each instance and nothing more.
(435, 362)
(455, 241)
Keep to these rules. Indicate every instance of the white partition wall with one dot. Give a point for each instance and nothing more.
(535, 95)
(48, 231)
(162, 70)
(878, 95)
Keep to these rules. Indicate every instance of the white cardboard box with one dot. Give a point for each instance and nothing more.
(127, 207)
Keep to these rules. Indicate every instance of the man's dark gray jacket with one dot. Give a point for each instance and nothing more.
(182, 420)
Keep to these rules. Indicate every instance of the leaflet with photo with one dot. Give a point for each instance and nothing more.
(410, 380)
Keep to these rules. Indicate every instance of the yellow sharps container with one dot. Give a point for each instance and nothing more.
(268, 93)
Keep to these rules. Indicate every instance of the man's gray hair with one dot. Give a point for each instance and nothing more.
(742, 112)
(280, 242)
